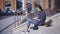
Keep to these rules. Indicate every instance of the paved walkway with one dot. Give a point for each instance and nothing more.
(7, 24)
(54, 29)
(4, 17)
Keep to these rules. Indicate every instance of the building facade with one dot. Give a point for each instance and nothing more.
(11, 4)
(46, 4)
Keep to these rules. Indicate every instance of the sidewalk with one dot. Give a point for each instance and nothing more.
(4, 17)
(54, 29)
(7, 24)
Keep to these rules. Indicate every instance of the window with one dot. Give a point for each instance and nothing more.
(57, 4)
(7, 4)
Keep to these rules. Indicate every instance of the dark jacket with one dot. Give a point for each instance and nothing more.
(42, 16)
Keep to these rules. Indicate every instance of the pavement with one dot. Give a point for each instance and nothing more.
(8, 23)
(4, 17)
(53, 29)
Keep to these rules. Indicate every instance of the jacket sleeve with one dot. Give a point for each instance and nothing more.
(42, 16)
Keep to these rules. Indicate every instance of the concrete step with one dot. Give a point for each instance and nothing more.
(54, 29)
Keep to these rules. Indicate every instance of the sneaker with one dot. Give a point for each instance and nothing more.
(41, 24)
(28, 31)
(35, 28)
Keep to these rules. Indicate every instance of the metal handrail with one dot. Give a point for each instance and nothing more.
(11, 24)
(8, 26)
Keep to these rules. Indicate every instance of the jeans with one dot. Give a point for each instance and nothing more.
(29, 21)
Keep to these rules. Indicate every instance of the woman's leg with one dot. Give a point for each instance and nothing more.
(35, 24)
(31, 21)
(28, 23)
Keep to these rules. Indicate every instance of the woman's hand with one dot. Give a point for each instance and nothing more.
(36, 18)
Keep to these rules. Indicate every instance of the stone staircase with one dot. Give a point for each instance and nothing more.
(54, 29)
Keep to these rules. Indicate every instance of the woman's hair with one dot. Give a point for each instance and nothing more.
(39, 7)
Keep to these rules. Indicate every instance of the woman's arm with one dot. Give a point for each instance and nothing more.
(36, 18)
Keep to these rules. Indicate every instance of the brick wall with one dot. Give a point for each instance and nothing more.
(13, 4)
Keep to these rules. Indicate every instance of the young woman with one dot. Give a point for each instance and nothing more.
(38, 20)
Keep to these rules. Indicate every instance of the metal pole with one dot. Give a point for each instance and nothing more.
(14, 19)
